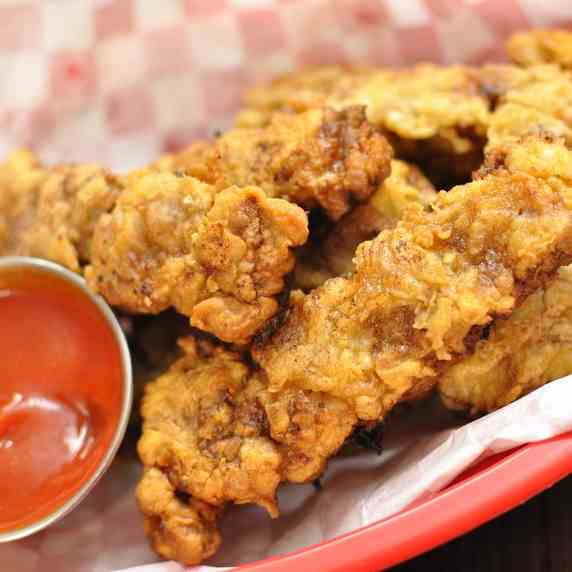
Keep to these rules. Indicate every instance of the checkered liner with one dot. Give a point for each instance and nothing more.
(120, 81)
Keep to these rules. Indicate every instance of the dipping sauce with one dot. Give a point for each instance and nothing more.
(61, 392)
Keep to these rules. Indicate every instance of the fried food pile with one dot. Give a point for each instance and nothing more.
(421, 292)
(361, 238)
(521, 353)
(321, 158)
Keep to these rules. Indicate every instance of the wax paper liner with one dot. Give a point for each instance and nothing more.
(122, 81)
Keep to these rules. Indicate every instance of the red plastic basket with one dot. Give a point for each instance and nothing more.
(493, 487)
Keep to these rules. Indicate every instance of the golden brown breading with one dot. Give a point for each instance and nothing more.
(423, 289)
(321, 158)
(522, 353)
(414, 103)
(550, 46)
(212, 428)
(218, 257)
(438, 117)
(203, 423)
(424, 102)
(435, 106)
(192, 161)
(433, 115)
(534, 101)
(299, 91)
(333, 254)
(177, 530)
(51, 212)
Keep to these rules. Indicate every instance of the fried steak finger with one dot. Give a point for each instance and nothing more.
(529, 349)
(218, 257)
(213, 433)
(432, 115)
(533, 47)
(320, 159)
(422, 291)
(51, 212)
(534, 101)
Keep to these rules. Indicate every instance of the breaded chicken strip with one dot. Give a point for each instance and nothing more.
(549, 46)
(219, 257)
(433, 115)
(299, 91)
(528, 349)
(152, 241)
(333, 254)
(438, 117)
(214, 434)
(533, 101)
(522, 353)
(52, 212)
(424, 102)
(415, 103)
(422, 292)
(319, 159)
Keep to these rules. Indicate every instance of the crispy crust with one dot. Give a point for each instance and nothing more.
(532, 347)
(52, 212)
(551, 46)
(420, 290)
(218, 257)
(332, 255)
(320, 159)
(213, 433)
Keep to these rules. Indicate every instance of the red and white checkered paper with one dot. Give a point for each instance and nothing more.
(121, 81)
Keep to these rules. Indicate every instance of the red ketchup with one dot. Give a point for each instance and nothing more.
(60, 393)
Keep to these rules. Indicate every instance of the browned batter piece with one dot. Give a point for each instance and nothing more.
(332, 255)
(319, 159)
(522, 353)
(420, 290)
(213, 434)
(52, 212)
(533, 47)
(219, 257)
